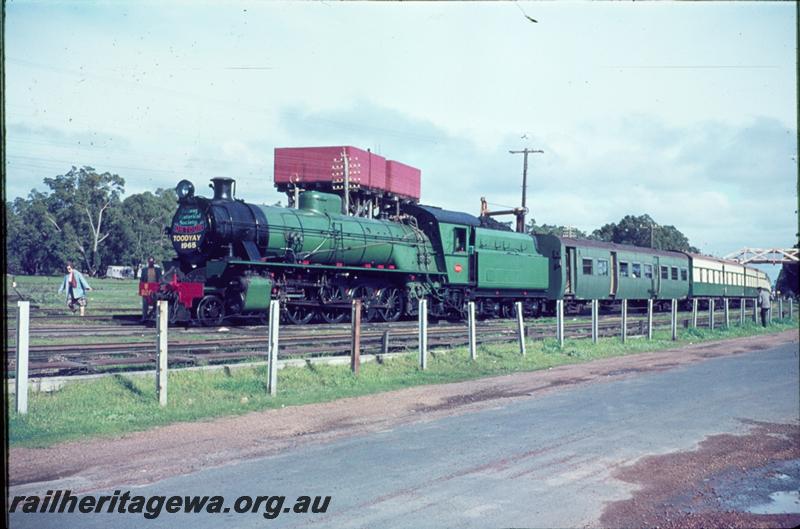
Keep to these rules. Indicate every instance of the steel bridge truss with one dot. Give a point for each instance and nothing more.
(765, 255)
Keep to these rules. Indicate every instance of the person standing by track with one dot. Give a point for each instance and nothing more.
(75, 287)
(764, 301)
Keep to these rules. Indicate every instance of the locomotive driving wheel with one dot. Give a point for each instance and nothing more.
(178, 313)
(330, 295)
(368, 298)
(210, 311)
(299, 314)
(391, 301)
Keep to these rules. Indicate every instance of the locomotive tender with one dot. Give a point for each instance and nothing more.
(234, 257)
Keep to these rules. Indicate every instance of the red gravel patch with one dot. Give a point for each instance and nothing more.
(709, 486)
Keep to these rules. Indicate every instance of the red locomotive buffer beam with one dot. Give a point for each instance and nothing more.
(187, 291)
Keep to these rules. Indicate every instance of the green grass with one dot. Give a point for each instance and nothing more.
(125, 403)
(43, 292)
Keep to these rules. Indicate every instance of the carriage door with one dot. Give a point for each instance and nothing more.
(656, 277)
(614, 277)
(570, 262)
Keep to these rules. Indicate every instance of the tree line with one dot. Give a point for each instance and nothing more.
(636, 230)
(81, 218)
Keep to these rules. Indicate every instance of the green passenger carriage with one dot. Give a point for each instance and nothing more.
(582, 270)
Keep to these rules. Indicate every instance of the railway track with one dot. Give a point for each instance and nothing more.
(132, 327)
(129, 325)
(243, 344)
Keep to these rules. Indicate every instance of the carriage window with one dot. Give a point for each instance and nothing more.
(675, 273)
(636, 270)
(587, 267)
(602, 267)
(460, 242)
(623, 269)
(664, 272)
(648, 271)
(684, 274)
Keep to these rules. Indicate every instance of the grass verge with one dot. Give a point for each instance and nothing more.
(125, 403)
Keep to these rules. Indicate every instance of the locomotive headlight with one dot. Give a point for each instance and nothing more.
(184, 189)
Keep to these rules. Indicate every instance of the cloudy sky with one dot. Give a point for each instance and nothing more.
(684, 111)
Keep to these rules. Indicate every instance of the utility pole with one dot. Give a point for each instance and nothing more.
(525, 152)
(345, 173)
(346, 182)
(295, 181)
(651, 234)
(652, 231)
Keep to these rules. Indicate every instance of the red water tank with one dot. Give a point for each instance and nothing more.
(325, 164)
(403, 180)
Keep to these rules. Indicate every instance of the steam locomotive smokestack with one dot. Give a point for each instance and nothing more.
(223, 188)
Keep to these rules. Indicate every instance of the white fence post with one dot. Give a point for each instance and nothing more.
(727, 314)
(473, 342)
(780, 308)
(23, 343)
(742, 307)
(624, 328)
(520, 328)
(694, 313)
(650, 319)
(423, 333)
(355, 335)
(162, 365)
(791, 308)
(674, 318)
(595, 319)
(272, 347)
(560, 322)
(711, 313)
